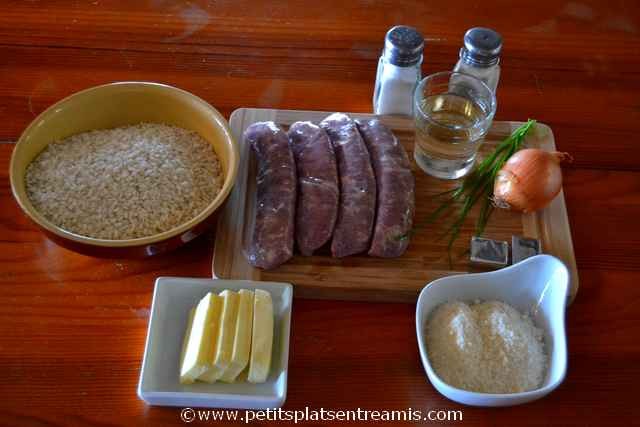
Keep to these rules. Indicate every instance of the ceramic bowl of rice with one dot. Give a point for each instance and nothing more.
(125, 169)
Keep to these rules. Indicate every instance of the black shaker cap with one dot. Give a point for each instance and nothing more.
(403, 46)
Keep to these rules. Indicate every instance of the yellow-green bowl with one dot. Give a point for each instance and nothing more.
(120, 104)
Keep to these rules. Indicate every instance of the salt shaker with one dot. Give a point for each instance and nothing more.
(398, 71)
(480, 55)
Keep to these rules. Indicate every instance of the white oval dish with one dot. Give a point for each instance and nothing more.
(537, 286)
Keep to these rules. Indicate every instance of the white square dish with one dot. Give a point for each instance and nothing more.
(159, 383)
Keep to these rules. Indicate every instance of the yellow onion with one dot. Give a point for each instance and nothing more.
(529, 180)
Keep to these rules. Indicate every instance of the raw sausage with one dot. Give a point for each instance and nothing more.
(357, 187)
(396, 189)
(318, 192)
(272, 240)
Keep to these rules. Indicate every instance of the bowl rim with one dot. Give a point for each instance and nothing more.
(523, 396)
(30, 211)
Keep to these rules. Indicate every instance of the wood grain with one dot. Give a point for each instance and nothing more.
(374, 279)
(322, 56)
(72, 328)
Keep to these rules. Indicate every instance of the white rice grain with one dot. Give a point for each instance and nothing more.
(124, 183)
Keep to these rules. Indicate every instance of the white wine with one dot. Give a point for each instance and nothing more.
(448, 133)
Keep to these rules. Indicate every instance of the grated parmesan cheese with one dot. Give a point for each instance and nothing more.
(487, 347)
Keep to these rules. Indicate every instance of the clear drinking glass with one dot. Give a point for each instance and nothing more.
(453, 112)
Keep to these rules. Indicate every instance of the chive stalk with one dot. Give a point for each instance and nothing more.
(477, 187)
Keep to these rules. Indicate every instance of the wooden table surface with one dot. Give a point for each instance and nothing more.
(72, 328)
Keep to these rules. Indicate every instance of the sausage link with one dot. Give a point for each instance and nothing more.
(318, 192)
(396, 189)
(357, 187)
(272, 240)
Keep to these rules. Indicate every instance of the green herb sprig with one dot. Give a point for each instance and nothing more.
(478, 187)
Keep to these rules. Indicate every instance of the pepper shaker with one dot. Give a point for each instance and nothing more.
(399, 71)
(480, 55)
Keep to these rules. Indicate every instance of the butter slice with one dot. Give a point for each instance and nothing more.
(200, 347)
(262, 337)
(241, 338)
(224, 341)
(185, 341)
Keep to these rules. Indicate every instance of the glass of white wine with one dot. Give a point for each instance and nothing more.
(453, 113)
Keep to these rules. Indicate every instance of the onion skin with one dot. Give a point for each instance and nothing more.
(529, 180)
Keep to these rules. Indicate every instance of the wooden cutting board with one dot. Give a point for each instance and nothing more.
(375, 279)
